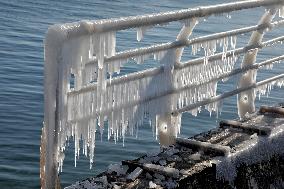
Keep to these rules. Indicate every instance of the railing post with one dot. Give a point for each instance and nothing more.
(168, 124)
(49, 142)
(246, 99)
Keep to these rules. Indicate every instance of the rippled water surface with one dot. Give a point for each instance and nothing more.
(23, 24)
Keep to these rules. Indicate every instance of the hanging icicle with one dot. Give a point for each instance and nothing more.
(265, 89)
(159, 55)
(141, 32)
(281, 12)
(211, 46)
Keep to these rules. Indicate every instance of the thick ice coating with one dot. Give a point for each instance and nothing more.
(81, 96)
(121, 103)
(246, 99)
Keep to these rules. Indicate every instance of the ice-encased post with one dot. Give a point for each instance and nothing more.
(168, 125)
(165, 128)
(56, 85)
(49, 144)
(246, 99)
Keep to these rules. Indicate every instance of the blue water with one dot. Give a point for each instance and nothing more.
(23, 24)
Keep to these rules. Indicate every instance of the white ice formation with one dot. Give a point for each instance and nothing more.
(265, 89)
(210, 47)
(87, 96)
(81, 94)
(281, 12)
(246, 99)
(141, 32)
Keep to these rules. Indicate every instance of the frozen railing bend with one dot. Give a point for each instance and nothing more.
(81, 95)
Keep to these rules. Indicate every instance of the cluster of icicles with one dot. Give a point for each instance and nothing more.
(95, 100)
(266, 89)
(210, 47)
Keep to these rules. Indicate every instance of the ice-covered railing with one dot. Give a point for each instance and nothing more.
(81, 95)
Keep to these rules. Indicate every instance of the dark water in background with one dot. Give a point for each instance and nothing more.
(23, 24)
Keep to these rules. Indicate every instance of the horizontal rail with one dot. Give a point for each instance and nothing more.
(267, 62)
(165, 17)
(234, 72)
(121, 79)
(277, 23)
(156, 71)
(178, 44)
(226, 95)
(273, 41)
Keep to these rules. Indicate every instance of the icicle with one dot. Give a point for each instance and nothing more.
(281, 12)
(101, 125)
(140, 59)
(214, 107)
(104, 44)
(99, 48)
(91, 139)
(228, 16)
(219, 14)
(210, 47)
(110, 44)
(269, 66)
(225, 48)
(233, 42)
(159, 55)
(141, 32)
(265, 89)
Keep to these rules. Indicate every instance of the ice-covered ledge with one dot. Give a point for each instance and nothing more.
(255, 159)
(256, 150)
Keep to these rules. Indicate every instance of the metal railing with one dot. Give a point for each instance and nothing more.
(80, 93)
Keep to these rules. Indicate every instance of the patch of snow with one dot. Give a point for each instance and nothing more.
(152, 185)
